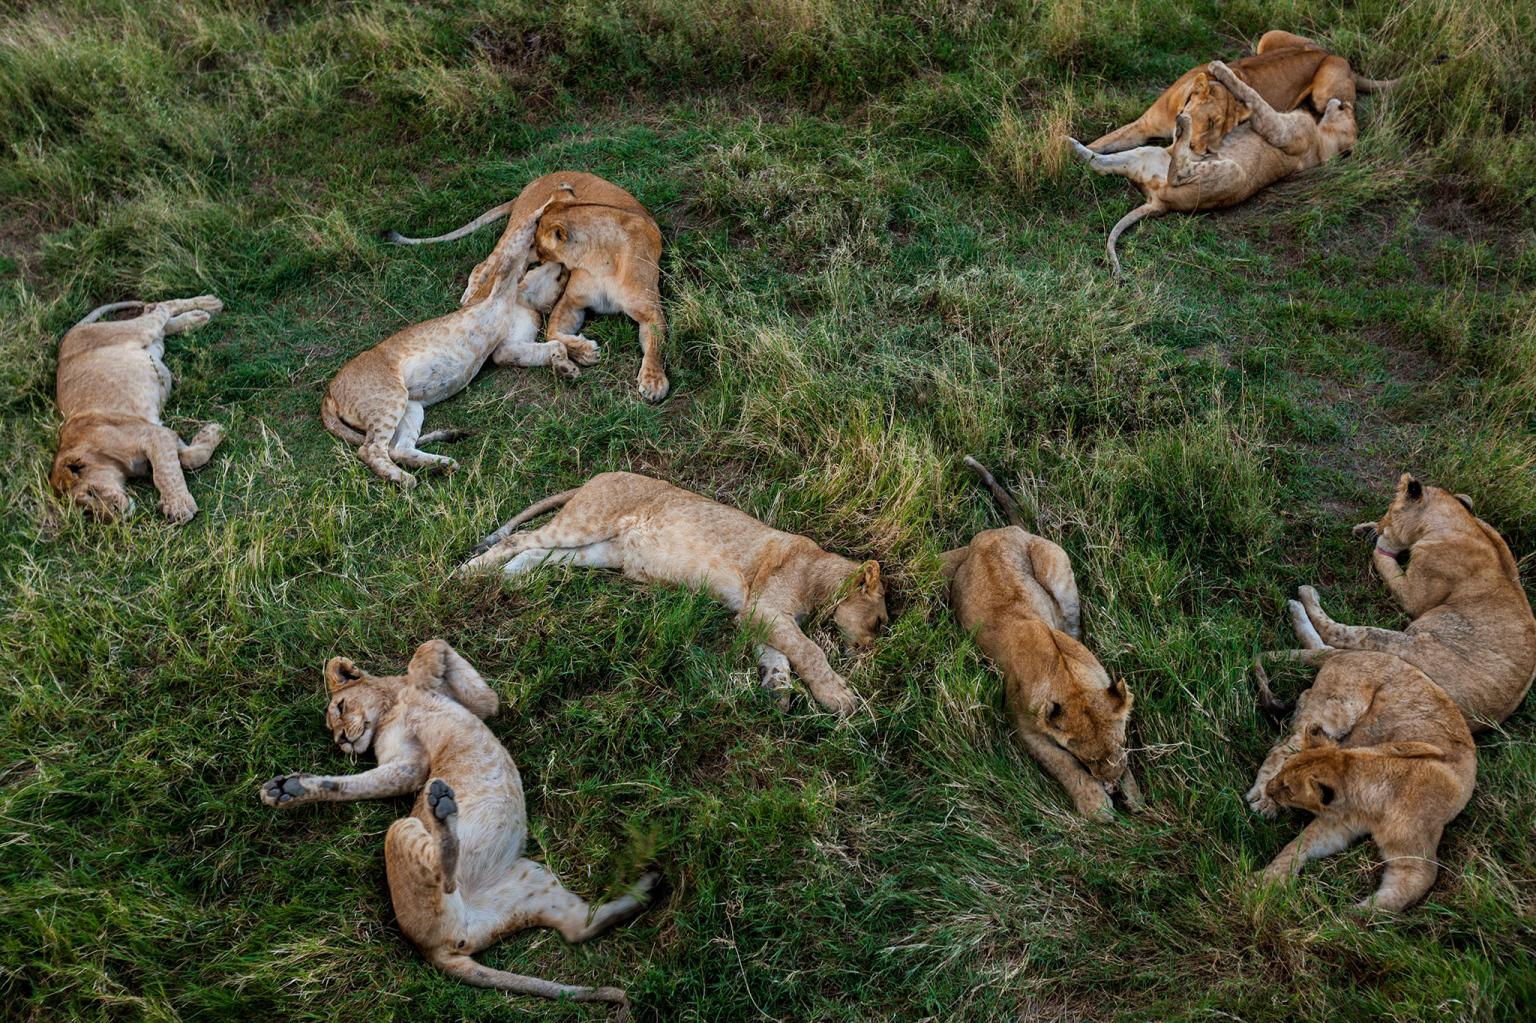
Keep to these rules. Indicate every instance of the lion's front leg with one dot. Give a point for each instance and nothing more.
(396, 778)
(829, 688)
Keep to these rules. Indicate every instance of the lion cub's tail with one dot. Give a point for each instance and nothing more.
(464, 968)
(110, 307)
(1010, 506)
(495, 213)
(331, 417)
(533, 511)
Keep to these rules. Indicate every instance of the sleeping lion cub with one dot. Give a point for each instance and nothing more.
(1379, 750)
(1017, 593)
(112, 385)
(655, 532)
(457, 874)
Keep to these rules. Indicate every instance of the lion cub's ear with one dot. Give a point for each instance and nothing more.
(1410, 487)
(1316, 738)
(1121, 693)
(869, 579)
(1466, 502)
(1320, 793)
(340, 672)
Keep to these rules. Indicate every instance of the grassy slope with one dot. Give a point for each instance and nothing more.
(876, 262)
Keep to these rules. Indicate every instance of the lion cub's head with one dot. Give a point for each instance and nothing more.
(1317, 777)
(1312, 779)
(92, 480)
(1073, 701)
(1416, 511)
(359, 702)
(861, 614)
(1213, 111)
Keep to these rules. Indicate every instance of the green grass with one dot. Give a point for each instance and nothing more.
(876, 262)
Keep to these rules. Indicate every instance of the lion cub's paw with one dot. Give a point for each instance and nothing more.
(209, 303)
(441, 801)
(839, 700)
(1260, 803)
(1081, 151)
(653, 384)
(211, 433)
(284, 790)
(561, 363)
(647, 885)
(1095, 804)
(179, 508)
(582, 350)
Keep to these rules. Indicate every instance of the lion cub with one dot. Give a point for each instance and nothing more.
(655, 532)
(378, 399)
(1017, 593)
(1472, 630)
(457, 874)
(610, 244)
(1378, 750)
(112, 385)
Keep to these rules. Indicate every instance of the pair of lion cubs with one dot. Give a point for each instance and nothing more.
(1235, 130)
(1381, 743)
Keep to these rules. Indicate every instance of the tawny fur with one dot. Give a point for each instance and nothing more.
(655, 532)
(611, 246)
(1378, 750)
(378, 400)
(456, 870)
(112, 386)
(1265, 148)
(1017, 593)
(1287, 70)
(1472, 631)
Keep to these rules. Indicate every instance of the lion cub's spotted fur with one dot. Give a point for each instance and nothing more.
(457, 874)
(611, 246)
(379, 399)
(112, 385)
(1016, 591)
(1378, 749)
(653, 531)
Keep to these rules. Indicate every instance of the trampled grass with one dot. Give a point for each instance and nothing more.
(876, 262)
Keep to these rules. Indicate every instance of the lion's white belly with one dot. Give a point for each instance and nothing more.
(447, 368)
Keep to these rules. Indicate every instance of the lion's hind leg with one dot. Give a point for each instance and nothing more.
(547, 903)
(403, 446)
(383, 414)
(196, 454)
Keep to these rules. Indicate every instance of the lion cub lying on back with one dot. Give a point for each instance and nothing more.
(1257, 153)
(1472, 630)
(1380, 750)
(112, 384)
(655, 532)
(379, 399)
(457, 874)
(1017, 592)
